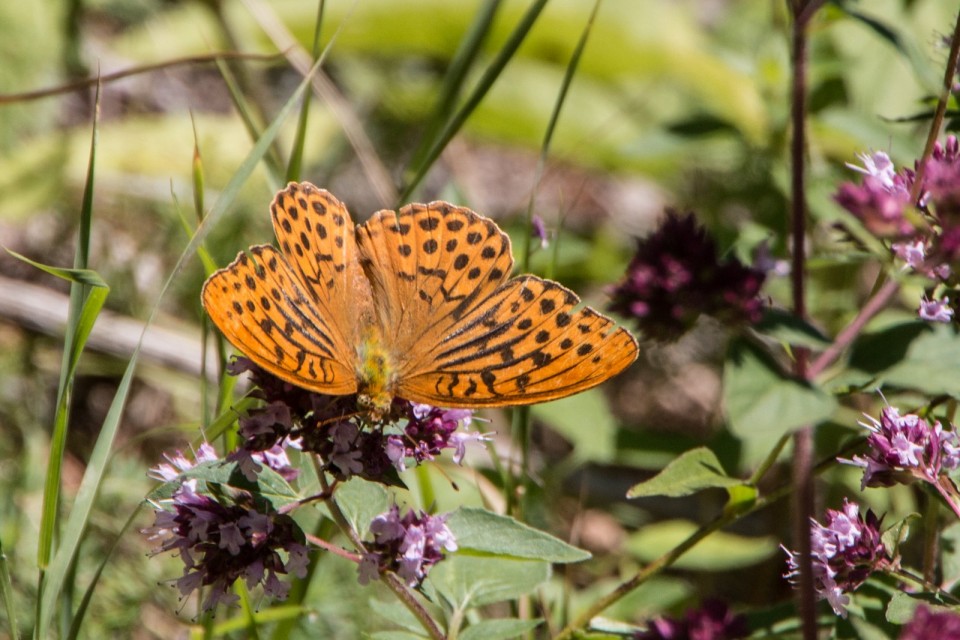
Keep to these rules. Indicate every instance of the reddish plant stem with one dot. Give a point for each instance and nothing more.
(849, 333)
(803, 439)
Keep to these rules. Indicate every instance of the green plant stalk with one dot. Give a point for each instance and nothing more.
(568, 74)
(248, 613)
(931, 537)
(77, 623)
(456, 75)
(393, 582)
(295, 164)
(271, 158)
(52, 580)
(73, 345)
(6, 594)
(483, 86)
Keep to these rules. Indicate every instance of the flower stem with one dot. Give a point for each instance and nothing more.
(803, 12)
(906, 575)
(393, 583)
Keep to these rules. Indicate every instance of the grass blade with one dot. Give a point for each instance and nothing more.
(452, 86)
(71, 355)
(568, 74)
(79, 516)
(77, 622)
(6, 593)
(486, 81)
(296, 153)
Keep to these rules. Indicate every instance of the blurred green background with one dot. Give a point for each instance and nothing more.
(675, 102)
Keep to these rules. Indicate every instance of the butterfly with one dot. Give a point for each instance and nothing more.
(416, 304)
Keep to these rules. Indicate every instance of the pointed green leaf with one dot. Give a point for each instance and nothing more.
(722, 551)
(502, 629)
(694, 471)
(912, 355)
(487, 532)
(759, 398)
(361, 501)
(472, 581)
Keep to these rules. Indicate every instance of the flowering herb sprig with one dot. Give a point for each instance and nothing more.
(906, 448)
(924, 233)
(713, 620)
(228, 534)
(407, 545)
(846, 550)
(223, 539)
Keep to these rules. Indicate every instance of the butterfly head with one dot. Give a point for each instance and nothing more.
(376, 375)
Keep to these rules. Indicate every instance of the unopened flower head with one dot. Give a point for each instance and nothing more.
(407, 546)
(902, 448)
(845, 551)
(676, 275)
(712, 621)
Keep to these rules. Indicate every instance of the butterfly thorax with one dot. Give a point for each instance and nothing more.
(375, 374)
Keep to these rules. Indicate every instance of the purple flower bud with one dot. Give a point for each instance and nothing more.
(927, 624)
(540, 231)
(676, 275)
(935, 310)
(879, 207)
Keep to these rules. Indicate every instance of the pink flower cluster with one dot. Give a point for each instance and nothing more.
(924, 231)
(407, 546)
(845, 551)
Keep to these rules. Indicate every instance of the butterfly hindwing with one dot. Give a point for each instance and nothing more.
(261, 308)
(528, 342)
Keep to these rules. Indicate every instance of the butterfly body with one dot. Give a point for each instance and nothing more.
(416, 304)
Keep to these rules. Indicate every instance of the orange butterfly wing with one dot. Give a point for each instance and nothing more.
(465, 336)
(298, 312)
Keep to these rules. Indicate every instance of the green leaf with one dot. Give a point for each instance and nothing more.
(269, 485)
(760, 399)
(694, 471)
(787, 328)
(903, 605)
(913, 355)
(362, 501)
(502, 629)
(722, 551)
(487, 532)
(472, 581)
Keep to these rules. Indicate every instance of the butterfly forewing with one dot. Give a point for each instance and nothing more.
(260, 307)
(318, 239)
(429, 265)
